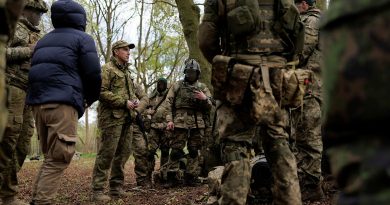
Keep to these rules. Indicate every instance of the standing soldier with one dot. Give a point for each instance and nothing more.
(187, 101)
(357, 102)
(261, 36)
(306, 125)
(10, 11)
(19, 52)
(156, 115)
(121, 101)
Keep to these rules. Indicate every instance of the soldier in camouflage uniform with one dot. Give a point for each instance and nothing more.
(269, 47)
(10, 11)
(186, 103)
(19, 52)
(121, 101)
(356, 98)
(155, 115)
(306, 120)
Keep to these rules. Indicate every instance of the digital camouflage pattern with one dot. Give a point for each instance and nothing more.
(187, 113)
(306, 120)
(306, 133)
(120, 133)
(235, 123)
(356, 80)
(15, 140)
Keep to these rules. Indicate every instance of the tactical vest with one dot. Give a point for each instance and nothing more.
(185, 96)
(264, 39)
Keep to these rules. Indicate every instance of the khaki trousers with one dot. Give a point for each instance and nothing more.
(57, 131)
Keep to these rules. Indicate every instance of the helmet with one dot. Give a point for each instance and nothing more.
(39, 5)
(162, 79)
(192, 64)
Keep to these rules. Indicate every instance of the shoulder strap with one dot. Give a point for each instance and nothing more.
(161, 101)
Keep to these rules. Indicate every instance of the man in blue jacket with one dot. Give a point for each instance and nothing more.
(59, 91)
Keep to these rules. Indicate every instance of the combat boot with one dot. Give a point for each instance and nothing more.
(99, 196)
(12, 200)
(119, 193)
(312, 193)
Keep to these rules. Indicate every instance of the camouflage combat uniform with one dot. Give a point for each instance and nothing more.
(120, 135)
(356, 98)
(11, 10)
(306, 120)
(186, 113)
(234, 122)
(17, 143)
(157, 133)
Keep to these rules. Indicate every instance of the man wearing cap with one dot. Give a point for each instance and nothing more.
(121, 101)
(20, 126)
(306, 125)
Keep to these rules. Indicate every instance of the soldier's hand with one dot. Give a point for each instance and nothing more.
(132, 104)
(32, 47)
(170, 126)
(200, 95)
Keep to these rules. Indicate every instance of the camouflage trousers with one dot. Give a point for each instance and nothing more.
(157, 139)
(306, 132)
(3, 91)
(236, 131)
(362, 169)
(17, 140)
(193, 139)
(117, 144)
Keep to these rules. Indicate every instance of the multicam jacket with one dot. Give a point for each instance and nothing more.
(183, 109)
(156, 115)
(19, 53)
(117, 88)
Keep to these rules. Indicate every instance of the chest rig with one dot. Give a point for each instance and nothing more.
(263, 39)
(185, 96)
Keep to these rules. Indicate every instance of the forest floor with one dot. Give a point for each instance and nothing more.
(75, 187)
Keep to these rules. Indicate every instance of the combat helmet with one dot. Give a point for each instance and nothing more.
(39, 5)
(192, 64)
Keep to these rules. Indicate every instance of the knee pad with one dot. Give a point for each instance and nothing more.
(176, 154)
(193, 152)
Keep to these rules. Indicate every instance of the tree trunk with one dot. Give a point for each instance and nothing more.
(189, 15)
